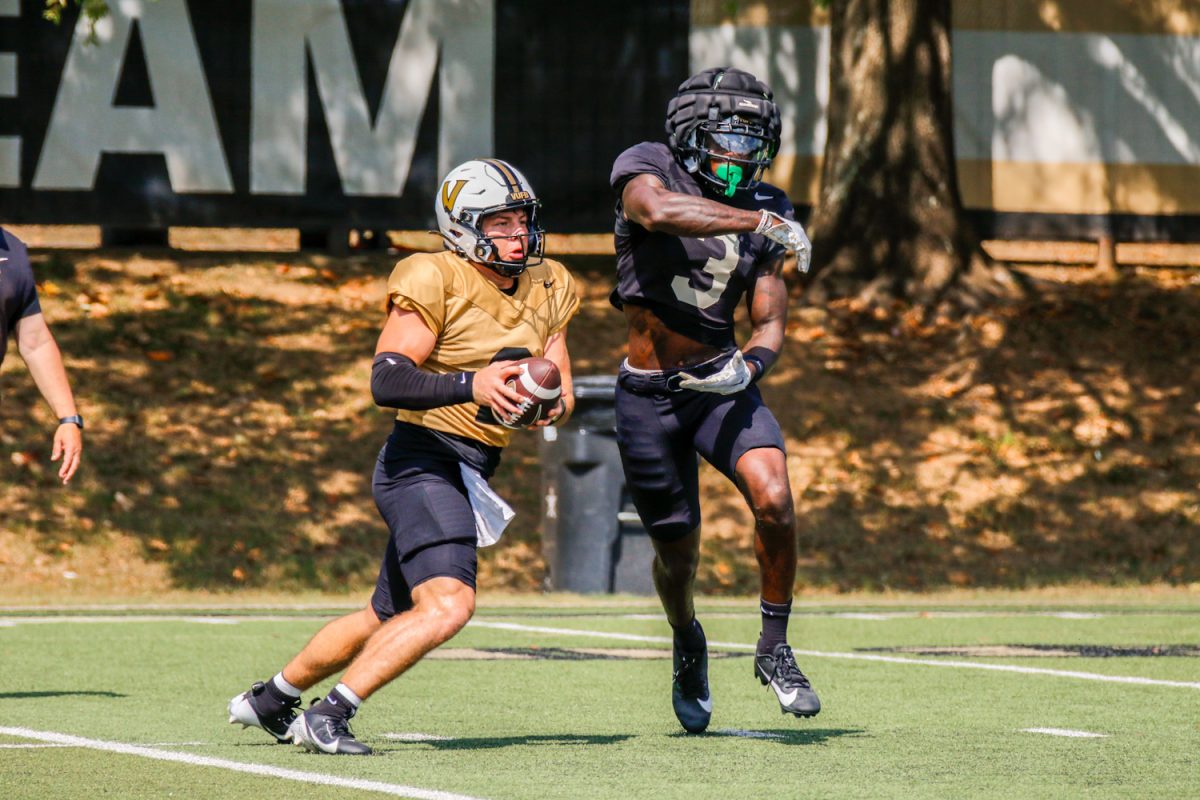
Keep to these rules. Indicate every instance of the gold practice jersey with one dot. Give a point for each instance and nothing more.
(477, 324)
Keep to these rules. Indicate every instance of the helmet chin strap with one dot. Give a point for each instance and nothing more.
(731, 174)
(505, 270)
(485, 254)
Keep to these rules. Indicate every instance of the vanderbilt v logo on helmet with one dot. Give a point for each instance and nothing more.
(723, 125)
(475, 189)
(450, 195)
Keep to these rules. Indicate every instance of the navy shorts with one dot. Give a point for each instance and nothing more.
(660, 429)
(427, 511)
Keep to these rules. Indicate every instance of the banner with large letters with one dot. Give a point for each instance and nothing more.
(322, 113)
(1069, 121)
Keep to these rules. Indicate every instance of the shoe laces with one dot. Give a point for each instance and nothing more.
(340, 727)
(688, 675)
(787, 671)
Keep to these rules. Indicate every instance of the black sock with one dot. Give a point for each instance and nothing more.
(335, 704)
(690, 637)
(774, 625)
(274, 701)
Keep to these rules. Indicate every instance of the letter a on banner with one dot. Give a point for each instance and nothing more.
(373, 157)
(85, 124)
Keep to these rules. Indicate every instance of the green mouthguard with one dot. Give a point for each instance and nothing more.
(731, 174)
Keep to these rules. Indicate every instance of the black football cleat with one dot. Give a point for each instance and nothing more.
(245, 710)
(689, 689)
(778, 670)
(325, 733)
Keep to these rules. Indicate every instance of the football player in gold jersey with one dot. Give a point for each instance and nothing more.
(456, 322)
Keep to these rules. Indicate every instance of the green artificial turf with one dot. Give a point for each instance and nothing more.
(540, 718)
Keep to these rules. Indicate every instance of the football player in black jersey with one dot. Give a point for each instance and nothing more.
(697, 231)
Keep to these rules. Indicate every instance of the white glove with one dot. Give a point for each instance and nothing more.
(733, 377)
(788, 233)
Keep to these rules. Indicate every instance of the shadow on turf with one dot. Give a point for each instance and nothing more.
(33, 695)
(488, 743)
(783, 735)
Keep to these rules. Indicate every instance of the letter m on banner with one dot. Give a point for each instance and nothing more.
(373, 157)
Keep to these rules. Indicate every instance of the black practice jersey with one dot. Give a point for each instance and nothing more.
(18, 294)
(693, 284)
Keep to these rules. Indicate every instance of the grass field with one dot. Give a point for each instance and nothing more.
(541, 699)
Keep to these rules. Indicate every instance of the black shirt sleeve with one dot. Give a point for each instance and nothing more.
(646, 158)
(18, 292)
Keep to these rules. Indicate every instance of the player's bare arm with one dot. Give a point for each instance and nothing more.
(44, 360)
(768, 318)
(652, 205)
(649, 203)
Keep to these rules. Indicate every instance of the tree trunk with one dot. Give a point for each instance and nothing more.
(890, 222)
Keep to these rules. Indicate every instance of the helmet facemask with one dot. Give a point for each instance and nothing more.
(486, 252)
(731, 154)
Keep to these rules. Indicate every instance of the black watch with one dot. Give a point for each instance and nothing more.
(74, 419)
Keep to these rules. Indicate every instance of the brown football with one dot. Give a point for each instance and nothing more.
(540, 387)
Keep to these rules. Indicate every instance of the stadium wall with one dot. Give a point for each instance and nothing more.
(1072, 117)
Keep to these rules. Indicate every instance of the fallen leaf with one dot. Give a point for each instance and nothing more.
(958, 578)
(160, 355)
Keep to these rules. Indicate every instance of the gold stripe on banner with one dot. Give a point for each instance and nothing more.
(1025, 187)
(758, 13)
(1169, 17)
(1091, 188)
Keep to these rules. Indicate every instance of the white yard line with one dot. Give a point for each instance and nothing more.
(143, 751)
(204, 607)
(747, 734)
(1056, 673)
(1065, 732)
(21, 615)
(43, 745)
(93, 619)
(417, 737)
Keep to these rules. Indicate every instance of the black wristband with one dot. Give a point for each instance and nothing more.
(758, 362)
(397, 382)
(74, 419)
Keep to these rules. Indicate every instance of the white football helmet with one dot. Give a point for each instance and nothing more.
(479, 187)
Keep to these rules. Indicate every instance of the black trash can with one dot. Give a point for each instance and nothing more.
(592, 538)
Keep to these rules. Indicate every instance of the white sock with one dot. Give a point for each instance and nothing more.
(348, 693)
(282, 685)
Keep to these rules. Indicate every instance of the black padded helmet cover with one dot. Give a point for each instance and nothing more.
(716, 94)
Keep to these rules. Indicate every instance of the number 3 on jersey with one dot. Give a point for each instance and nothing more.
(719, 268)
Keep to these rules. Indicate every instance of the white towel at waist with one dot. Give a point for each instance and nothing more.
(492, 514)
